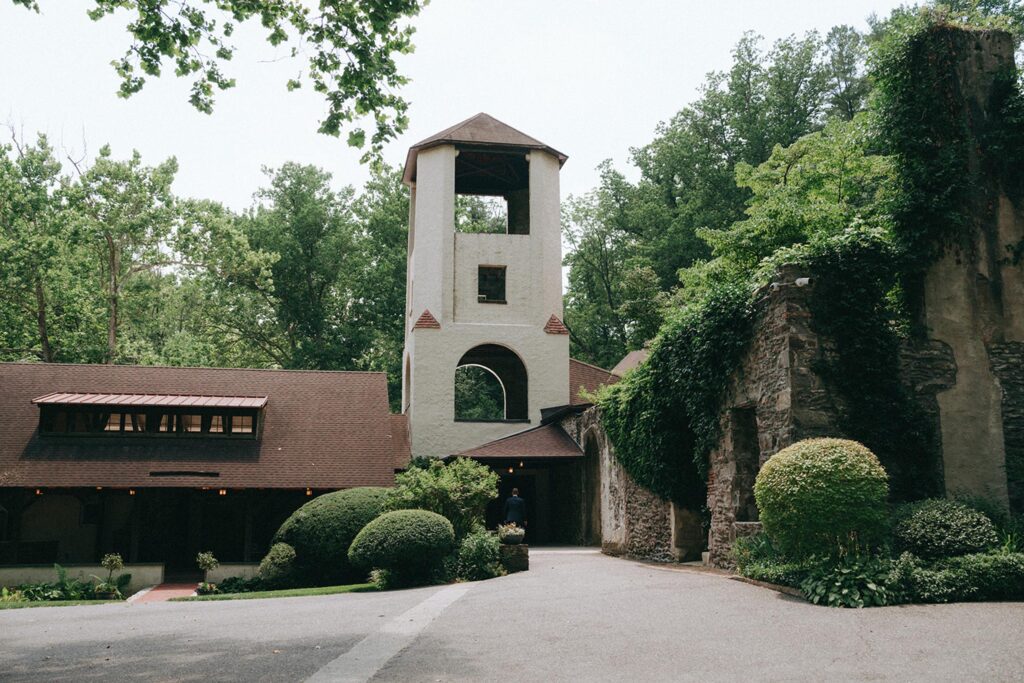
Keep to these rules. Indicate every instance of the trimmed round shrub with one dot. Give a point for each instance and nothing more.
(480, 557)
(410, 545)
(938, 528)
(322, 530)
(278, 567)
(823, 496)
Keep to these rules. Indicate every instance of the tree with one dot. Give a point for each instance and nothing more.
(123, 212)
(351, 46)
(382, 214)
(478, 394)
(848, 82)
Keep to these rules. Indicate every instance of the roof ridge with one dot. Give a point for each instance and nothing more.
(199, 367)
(591, 365)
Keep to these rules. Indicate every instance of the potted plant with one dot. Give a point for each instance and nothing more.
(207, 562)
(111, 589)
(511, 533)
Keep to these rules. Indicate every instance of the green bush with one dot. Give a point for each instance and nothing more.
(239, 584)
(458, 490)
(981, 576)
(410, 545)
(933, 529)
(480, 557)
(278, 567)
(756, 558)
(823, 497)
(852, 581)
(322, 530)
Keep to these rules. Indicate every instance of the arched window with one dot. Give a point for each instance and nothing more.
(489, 377)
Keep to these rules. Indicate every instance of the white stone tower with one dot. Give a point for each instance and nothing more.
(486, 299)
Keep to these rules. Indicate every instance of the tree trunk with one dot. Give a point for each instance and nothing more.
(112, 288)
(44, 335)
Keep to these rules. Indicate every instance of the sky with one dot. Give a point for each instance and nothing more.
(591, 78)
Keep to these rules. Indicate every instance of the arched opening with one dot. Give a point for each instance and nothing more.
(487, 375)
(407, 385)
(591, 491)
(479, 394)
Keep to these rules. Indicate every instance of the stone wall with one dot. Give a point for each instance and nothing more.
(774, 399)
(1008, 366)
(634, 522)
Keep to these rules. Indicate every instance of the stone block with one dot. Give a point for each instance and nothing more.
(515, 558)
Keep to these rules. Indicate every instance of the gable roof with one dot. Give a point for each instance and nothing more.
(320, 429)
(546, 441)
(630, 361)
(483, 130)
(588, 378)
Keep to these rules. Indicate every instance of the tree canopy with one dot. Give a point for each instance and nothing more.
(351, 47)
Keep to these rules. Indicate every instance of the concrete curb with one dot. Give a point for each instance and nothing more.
(135, 596)
(788, 590)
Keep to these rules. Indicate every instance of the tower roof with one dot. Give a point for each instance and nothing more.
(482, 130)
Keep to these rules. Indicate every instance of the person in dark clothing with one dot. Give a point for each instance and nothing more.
(515, 509)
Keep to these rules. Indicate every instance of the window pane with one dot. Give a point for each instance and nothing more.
(138, 423)
(217, 424)
(491, 284)
(241, 424)
(113, 423)
(166, 424)
(191, 423)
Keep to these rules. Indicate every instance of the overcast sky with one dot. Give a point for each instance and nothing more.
(590, 78)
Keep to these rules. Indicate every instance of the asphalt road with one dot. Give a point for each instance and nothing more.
(574, 616)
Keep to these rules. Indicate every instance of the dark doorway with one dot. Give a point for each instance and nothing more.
(747, 455)
(166, 519)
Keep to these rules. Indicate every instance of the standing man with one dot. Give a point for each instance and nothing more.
(515, 509)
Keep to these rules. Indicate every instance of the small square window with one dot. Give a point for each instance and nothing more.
(217, 424)
(191, 423)
(113, 423)
(491, 284)
(241, 424)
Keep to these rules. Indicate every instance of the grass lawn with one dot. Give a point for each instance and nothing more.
(18, 604)
(284, 593)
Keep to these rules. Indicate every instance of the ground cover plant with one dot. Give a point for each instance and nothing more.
(818, 538)
(66, 589)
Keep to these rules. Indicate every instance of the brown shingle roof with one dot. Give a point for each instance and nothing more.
(587, 377)
(546, 441)
(321, 429)
(630, 361)
(482, 129)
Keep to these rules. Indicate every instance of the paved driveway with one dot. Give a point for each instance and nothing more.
(574, 616)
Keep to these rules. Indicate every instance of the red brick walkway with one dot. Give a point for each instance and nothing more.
(166, 591)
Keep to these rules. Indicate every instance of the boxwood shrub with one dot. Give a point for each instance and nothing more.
(410, 545)
(823, 497)
(976, 577)
(322, 530)
(278, 566)
(932, 529)
(480, 557)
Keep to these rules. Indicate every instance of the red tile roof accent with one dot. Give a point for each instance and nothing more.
(400, 440)
(427, 322)
(135, 400)
(587, 377)
(325, 430)
(555, 326)
(546, 441)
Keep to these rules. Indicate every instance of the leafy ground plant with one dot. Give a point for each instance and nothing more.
(853, 581)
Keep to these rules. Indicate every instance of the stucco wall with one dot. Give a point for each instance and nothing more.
(224, 570)
(443, 279)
